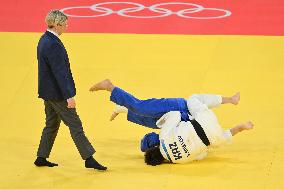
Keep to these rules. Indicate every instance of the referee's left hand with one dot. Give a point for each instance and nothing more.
(71, 103)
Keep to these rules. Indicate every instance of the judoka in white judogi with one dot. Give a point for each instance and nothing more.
(179, 142)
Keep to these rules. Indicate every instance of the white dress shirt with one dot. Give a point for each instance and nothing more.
(54, 33)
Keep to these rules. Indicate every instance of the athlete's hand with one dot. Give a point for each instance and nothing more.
(113, 116)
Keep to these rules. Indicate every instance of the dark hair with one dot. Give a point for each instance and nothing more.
(153, 156)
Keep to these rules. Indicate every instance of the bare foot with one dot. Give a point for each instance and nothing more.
(241, 127)
(113, 116)
(103, 85)
(236, 98)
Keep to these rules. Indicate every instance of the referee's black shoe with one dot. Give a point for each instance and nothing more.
(92, 163)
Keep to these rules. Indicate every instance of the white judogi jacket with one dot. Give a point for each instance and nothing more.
(179, 142)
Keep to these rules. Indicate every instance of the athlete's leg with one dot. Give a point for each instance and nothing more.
(212, 101)
(142, 120)
(154, 108)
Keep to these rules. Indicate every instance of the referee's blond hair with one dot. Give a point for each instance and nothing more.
(54, 18)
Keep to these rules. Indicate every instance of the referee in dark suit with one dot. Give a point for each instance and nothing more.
(57, 88)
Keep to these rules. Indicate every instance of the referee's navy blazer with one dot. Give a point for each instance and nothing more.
(55, 81)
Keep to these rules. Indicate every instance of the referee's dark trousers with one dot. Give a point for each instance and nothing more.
(55, 112)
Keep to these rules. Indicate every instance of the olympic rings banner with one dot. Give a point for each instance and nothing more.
(132, 7)
(210, 17)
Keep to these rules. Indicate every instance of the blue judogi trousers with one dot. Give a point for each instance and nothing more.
(148, 112)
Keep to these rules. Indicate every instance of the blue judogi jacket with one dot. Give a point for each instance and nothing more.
(55, 81)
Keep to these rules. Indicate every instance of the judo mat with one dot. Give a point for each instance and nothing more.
(237, 48)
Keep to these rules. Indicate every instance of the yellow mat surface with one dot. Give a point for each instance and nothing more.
(147, 66)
